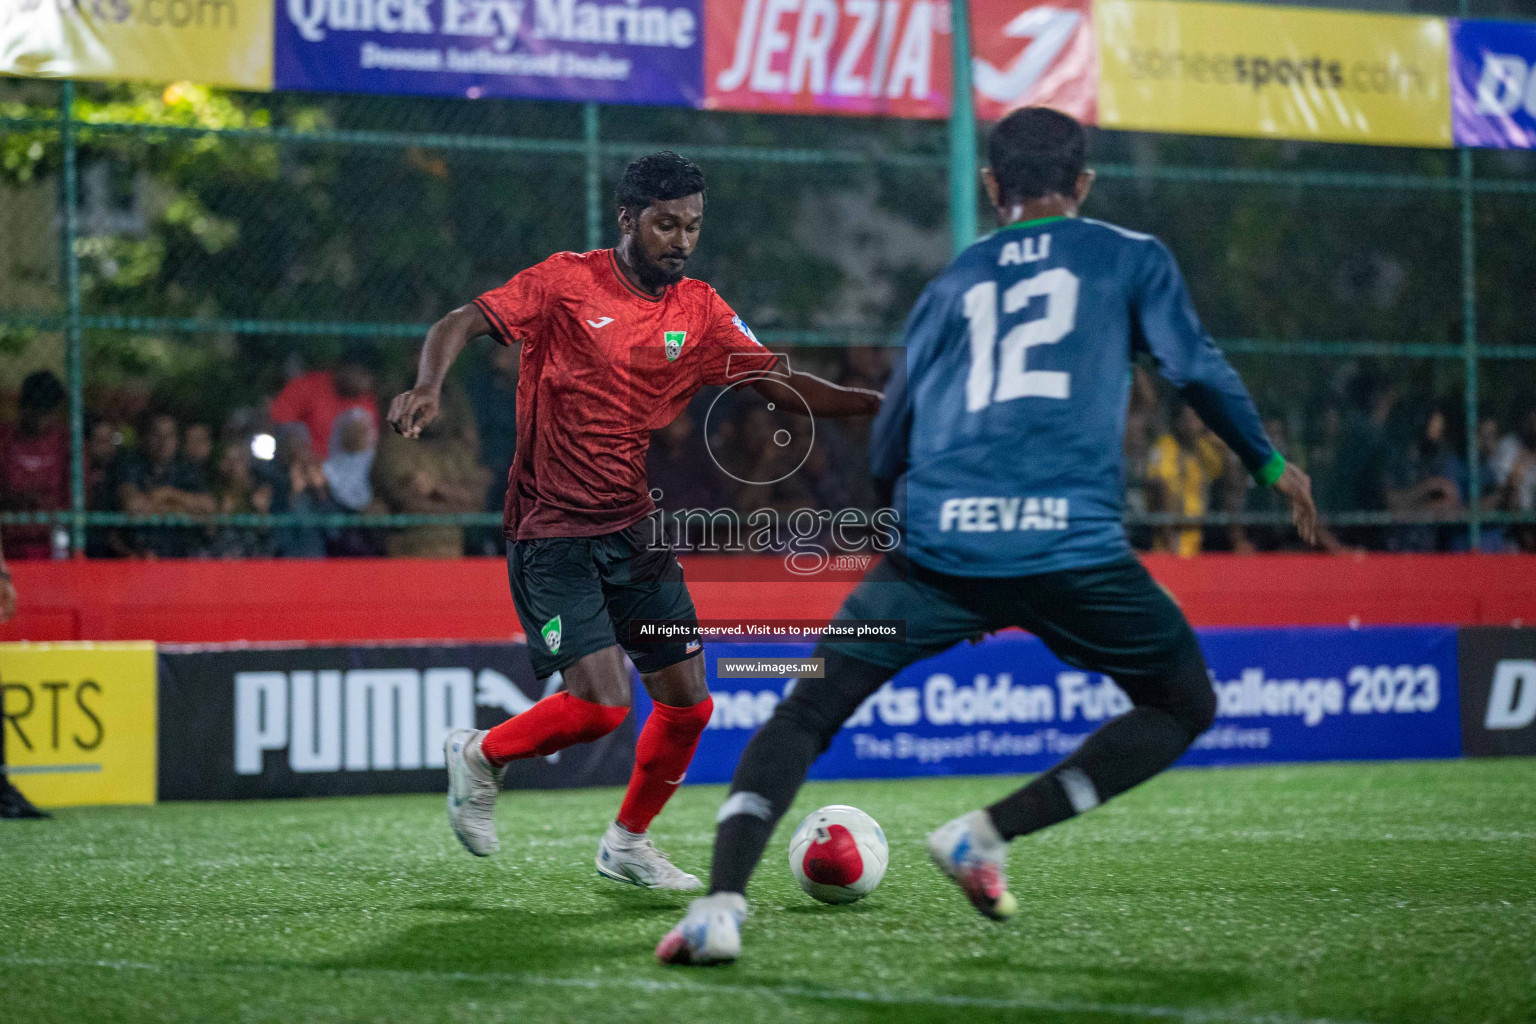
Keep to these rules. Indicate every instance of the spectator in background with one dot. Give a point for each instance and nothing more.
(12, 803)
(34, 463)
(197, 449)
(1181, 467)
(316, 398)
(1494, 496)
(239, 492)
(493, 396)
(1431, 478)
(102, 468)
(439, 473)
(1364, 456)
(301, 489)
(348, 479)
(1514, 469)
(158, 481)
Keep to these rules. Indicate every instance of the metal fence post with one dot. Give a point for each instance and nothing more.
(1469, 349)
(69, 229)
(594, 158)
(962, 133)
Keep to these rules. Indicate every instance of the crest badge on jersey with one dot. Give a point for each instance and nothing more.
(674, 341)
(551, 634)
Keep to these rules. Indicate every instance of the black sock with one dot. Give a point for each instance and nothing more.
(1124, 752)
(774, 764)
(771, 771)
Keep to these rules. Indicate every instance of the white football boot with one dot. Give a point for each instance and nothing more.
(970, 851)
(710, 934)
(633, 859)
(473, 783)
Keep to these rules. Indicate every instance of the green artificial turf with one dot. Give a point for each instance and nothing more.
(1382, 892)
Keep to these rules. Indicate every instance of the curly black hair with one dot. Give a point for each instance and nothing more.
(1037, 151)
(663, 176)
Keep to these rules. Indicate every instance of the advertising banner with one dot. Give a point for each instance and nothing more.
(1034, 53)
(1007, 705)
(1498, 691)
(1269, 71)
(79, 722)
(1493, 84)
(214, 42)
(244, 722)
(828, 56)
(606, 51)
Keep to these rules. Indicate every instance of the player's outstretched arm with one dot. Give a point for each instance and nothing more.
(822, 397)
(414, 409)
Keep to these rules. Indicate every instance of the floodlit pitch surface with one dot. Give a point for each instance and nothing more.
(1388, 892)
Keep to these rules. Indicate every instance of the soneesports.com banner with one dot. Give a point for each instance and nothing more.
(1007, 705)
(330, 721)
(1282, 72)
(215, 42)
(79, 721)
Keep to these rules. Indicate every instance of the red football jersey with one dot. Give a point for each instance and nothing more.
(603, 365)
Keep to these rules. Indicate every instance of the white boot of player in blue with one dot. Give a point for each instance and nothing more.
(710, 934)
(970, 851)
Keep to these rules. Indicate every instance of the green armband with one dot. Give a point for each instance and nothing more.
(1268, 473)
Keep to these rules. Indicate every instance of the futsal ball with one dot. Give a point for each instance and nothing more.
(838, 854)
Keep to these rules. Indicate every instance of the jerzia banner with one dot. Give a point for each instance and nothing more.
(1007, 705)
(330, 721)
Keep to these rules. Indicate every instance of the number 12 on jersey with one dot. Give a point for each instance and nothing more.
(1002, 375)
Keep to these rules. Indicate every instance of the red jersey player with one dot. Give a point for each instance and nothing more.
(614, 344)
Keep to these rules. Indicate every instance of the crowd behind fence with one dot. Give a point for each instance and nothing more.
(207, 299)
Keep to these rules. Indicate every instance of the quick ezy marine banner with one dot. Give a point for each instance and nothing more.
(1276, 72)
(215, 42)
(606, 51)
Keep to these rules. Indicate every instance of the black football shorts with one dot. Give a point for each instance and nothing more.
(578, 595)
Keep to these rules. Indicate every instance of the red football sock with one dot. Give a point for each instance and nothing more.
(554, 723)
(662, 755)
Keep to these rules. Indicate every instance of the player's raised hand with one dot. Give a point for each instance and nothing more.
(413, 410)
(1297, 488)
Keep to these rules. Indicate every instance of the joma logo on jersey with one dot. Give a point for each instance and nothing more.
(674, 341)
(995, 515)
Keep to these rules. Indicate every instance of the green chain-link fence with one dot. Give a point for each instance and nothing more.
(237, 230)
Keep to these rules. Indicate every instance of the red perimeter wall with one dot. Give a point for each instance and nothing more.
(380, 599)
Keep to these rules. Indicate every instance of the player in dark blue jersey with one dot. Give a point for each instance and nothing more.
(1001, 435)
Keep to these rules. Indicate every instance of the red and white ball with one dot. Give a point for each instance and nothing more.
(838, 854)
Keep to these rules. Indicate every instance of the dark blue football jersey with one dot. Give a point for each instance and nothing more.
(1004, 425)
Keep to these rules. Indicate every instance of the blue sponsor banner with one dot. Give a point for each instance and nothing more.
(607, 51)
(1493, 84)
(1007, 705)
